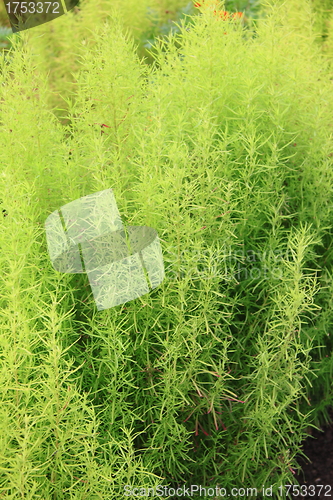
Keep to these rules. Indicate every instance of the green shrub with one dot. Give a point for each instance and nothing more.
(224, 146)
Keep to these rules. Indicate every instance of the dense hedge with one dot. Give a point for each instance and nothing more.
(224, 146)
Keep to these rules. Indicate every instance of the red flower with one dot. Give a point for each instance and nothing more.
(200, 4)
(225, 15)
(222, 14)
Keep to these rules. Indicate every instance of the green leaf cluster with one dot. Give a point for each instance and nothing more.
(224, 146)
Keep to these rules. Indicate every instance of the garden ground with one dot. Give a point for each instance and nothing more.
(319, 450)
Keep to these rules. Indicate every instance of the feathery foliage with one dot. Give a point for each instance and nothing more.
(224, 146)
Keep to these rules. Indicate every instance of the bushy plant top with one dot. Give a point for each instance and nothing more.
(224, 146)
